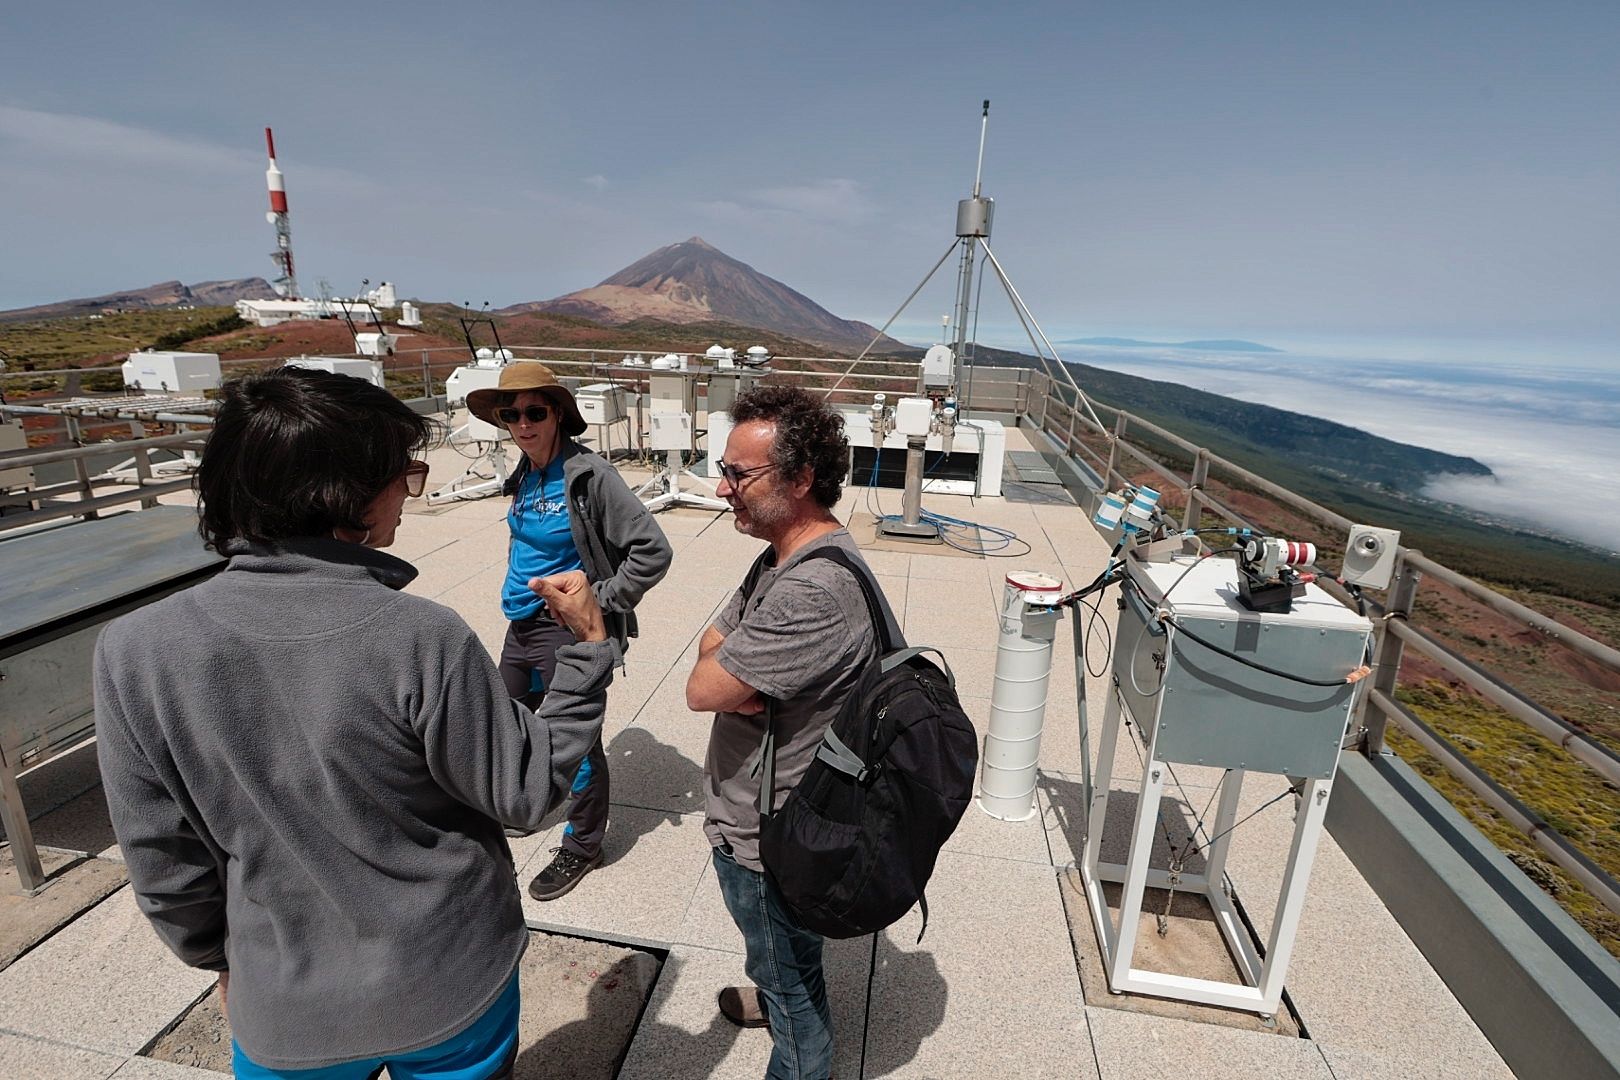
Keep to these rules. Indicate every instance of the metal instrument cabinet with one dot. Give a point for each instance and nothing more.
(1197, 707)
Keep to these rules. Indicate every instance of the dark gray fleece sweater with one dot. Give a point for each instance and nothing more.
(308, 772)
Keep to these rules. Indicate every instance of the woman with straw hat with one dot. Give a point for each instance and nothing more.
(570, 511)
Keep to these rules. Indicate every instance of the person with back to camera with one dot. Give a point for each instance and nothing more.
(309, 780)
(802, 638)
(570, 511)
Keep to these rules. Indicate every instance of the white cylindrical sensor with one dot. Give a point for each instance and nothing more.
(1018, 699)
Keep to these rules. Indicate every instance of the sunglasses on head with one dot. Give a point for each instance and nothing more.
(534, 414)
(416, 474)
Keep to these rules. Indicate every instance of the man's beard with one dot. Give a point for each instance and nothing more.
(766, 515)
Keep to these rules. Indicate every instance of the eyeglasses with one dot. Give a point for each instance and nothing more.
(416, 474)
(534, 414)
(735, 476)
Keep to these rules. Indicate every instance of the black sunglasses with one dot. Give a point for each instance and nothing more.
(535, 414)
(735, 476)
(416, 474)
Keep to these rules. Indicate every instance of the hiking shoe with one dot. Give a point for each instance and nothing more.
(564, 872)
(744, 1006)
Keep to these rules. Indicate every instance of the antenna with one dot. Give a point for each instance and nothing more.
(286, 282)
(984, 128)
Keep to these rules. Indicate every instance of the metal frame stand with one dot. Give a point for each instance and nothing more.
(19, 833)
(461, 488)
(1264, 978)
(667, 480)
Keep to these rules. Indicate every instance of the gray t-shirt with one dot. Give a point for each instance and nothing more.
(803, 641)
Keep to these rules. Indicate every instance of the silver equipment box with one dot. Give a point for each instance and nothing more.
(1203, 708)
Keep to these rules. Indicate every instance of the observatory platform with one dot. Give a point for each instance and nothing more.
(1005, 983)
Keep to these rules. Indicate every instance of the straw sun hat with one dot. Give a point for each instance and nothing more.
(523, 375)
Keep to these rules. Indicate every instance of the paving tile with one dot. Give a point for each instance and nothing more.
(442, 570)
(144, 1068)
(682, 1033)
(1408, 1062)
(707, 924)
(79, 824)
(39, 1059)
(1134, 1046)
(658, 773)
(992, 990)
(651, 868)
(104, 982)
(1353, 961)
(980, 834)
(25, 921)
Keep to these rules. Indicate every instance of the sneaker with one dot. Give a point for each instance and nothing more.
(743, 1006)
(564, 872)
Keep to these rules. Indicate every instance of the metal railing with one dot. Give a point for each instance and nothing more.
(1054, 409)
(1065, 421)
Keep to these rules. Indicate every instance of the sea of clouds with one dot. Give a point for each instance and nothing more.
(1550, 433)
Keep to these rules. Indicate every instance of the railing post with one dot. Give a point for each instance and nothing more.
(1195, 489)
(143, 463)
(1113, 449)
(1388, 649)
(1074, 413)
(427, 376)
(76, 437)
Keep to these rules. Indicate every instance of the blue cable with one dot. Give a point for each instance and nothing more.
(1001, 538)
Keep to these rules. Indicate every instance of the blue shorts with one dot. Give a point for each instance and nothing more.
(484, 1049)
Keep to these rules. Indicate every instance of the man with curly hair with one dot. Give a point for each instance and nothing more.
(799, 638)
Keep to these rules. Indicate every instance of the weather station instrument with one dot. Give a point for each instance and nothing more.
(488, 440)
(946, 450)
(1227, 666)
(672, 413)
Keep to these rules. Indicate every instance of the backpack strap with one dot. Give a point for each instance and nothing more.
(833, 751)
(765, 767)
(880, 625)
(895, 659)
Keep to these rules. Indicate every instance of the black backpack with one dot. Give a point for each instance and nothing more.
(853, 846)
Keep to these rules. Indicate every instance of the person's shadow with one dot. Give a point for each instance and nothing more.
(648, 775)
(908, 1005)
(598, 1045)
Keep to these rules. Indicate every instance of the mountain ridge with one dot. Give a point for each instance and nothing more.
(165, 294)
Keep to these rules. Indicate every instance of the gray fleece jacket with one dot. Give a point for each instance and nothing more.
(624, 551)
(308, 772)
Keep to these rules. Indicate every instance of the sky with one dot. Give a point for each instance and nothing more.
(1438, 178)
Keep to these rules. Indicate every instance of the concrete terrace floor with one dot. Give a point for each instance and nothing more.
(993, 989)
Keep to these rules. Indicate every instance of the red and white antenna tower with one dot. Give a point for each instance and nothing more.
(286, 283)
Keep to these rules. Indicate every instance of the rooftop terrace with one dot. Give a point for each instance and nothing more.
(1006, 981)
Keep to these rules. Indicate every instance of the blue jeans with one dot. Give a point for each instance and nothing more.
(484, 1050)
(784, 961)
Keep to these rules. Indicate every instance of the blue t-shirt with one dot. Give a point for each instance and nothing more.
(542, 541)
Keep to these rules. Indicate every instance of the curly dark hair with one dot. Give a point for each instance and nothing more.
(297, 452)
(809, 435)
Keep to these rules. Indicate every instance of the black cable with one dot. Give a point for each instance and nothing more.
(1212, 647)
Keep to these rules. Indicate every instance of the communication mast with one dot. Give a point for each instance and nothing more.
(286, 282)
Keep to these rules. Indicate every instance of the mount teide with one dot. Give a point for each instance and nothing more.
(695, 282)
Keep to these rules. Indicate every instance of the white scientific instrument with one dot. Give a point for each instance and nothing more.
(165, 372)
(1212, 683)
(370, 371)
